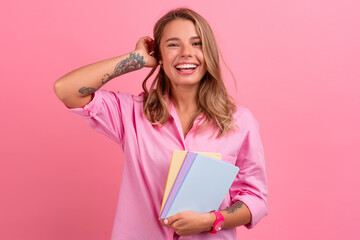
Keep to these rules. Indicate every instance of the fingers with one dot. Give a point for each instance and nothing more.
(147, 43)
(150, 45)
(177, 223)
(174, 221)
(145, 46)
(178, 226)
(187, 222)
(149, 40)
(170, 220)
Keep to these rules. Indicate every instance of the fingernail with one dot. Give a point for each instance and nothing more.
(166, 221)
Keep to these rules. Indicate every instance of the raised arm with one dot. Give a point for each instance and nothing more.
(75, 89)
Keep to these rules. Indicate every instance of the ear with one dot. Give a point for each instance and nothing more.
(160, 60)
(159, 57)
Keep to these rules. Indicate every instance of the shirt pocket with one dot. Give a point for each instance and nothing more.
(227, 201)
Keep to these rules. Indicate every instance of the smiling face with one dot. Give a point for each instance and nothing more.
(181, 54)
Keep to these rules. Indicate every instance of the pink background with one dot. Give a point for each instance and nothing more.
(297, 69)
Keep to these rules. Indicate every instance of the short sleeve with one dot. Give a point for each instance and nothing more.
(104, 113)
(250, 185)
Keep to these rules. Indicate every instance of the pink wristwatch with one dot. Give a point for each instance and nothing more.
(219, 222)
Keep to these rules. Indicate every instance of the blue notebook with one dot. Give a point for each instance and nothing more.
(204, 187)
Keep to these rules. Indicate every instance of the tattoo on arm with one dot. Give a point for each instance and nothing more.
(129, 64)
(235, 207)
(87, 90)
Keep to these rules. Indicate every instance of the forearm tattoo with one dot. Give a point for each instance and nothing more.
(129, 64)
(234, 207)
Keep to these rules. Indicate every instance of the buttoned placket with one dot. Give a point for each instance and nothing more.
(179, 128)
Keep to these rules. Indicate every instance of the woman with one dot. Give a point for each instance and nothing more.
(186, 108)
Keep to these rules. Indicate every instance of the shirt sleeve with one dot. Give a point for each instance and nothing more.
(104, 113)
(250, 185)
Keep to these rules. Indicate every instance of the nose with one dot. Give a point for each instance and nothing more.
(186, 50)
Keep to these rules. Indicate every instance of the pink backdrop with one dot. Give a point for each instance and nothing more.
(297, 69)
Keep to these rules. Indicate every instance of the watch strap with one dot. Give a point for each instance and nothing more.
(219, 218)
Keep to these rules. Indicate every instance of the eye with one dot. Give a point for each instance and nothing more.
(197, 43)
(173, 45)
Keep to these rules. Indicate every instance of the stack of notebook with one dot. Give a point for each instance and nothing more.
(197, 182)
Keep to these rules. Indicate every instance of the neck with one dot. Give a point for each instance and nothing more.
(185, 99)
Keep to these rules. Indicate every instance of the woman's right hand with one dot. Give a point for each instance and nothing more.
(145, 47)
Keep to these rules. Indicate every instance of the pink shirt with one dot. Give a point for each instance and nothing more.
(147, 154)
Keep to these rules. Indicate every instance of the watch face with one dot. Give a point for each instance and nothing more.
(219, 225)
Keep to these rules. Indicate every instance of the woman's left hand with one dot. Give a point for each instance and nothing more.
(189, 222)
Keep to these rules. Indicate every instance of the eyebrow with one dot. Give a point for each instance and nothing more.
(178, 39)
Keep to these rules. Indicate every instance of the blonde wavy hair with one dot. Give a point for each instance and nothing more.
(214, 102)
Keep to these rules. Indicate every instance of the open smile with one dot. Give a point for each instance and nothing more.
(186, 68)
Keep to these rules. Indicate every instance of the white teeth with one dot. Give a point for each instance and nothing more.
(186, 66)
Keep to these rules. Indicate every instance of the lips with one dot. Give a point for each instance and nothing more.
(186, 68)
